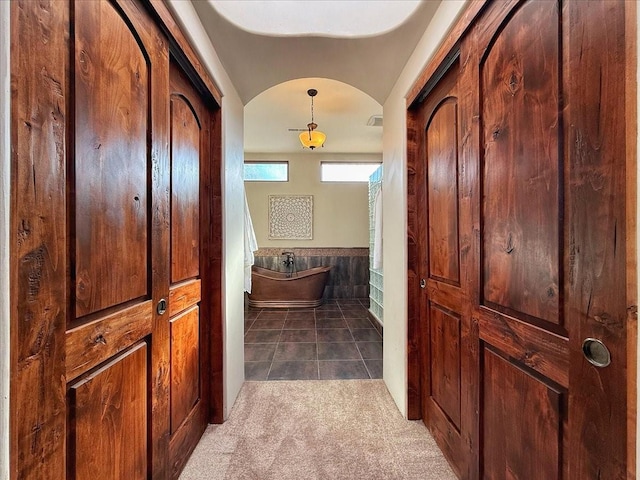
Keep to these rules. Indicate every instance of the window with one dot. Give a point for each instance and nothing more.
(347, 172)
(266, 171)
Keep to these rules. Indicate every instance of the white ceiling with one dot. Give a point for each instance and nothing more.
(336, 18)
(340, 110)
(353, 75)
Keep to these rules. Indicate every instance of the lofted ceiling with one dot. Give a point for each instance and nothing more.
(352, 69)
(275, 118)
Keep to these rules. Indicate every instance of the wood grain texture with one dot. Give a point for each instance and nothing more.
(211, 262)
(448, 439)
(442, 191)
(537, 348)
(448, 46)
(111, 152)
(183, 296)
(631, 187)
(161, 215)
(182, 441)
(469, 172)
(445, 361)
(447, 365)
(48, 195)
(598, 304)
(521, 214)
(190, 328)
(529, 158)
(185, 365)
(141, 151)
(415, 347)
(95, 342)
(37, 239)
(579, 232)
(445, 294)
(182, 47)
(526, 444)
(108, 437)
(185, 190)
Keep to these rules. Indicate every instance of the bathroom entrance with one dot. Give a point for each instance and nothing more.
(308, 315)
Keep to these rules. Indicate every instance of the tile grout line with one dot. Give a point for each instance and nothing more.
(339, 310)
(277, 343)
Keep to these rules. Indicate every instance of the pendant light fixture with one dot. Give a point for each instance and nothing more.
(312, 138)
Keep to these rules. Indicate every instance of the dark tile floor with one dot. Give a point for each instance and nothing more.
(331, 342)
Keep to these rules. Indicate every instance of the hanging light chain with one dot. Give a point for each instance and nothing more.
(312, 109)
(316, 138)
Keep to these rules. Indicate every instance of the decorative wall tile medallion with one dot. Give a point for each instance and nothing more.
(290, 217)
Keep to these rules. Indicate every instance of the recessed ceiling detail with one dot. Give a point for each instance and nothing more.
(329, 18)
(255, 62)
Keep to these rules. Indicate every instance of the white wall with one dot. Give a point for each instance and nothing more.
(233, 203)
(340, 210)
(4, 239)
(394, 219)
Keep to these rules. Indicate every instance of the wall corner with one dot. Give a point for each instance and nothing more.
(5, 171)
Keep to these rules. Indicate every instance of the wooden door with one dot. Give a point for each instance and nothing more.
(524, 344)
(446, 360)
(118, 221)
(543, 179)
(190, 159)
(98, 388)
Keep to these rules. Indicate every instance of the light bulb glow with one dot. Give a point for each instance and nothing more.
(312, 139)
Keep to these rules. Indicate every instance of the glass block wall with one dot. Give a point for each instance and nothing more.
(375, 276)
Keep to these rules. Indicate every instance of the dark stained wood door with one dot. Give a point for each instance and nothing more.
(105, 383)
(110, 402)
(523, 330)
(540, 194)
(118, 225)
(190, 166)
(446, 360)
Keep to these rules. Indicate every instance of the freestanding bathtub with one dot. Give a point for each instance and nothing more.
(303, 289)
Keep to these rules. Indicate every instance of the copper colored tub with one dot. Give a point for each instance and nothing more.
(303, 289)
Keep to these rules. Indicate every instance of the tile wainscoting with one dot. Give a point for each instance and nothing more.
(349, 277)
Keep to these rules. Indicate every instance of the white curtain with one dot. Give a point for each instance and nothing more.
(250, 245)
(377, 231)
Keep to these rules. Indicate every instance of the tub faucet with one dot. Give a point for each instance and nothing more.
(290, 261)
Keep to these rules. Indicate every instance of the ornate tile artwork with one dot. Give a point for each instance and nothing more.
(290, 217)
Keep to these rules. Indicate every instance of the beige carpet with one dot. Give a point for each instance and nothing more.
(329, 430)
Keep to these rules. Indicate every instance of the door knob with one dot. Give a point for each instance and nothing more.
(162, 306)
(423, 283)
(596, 352)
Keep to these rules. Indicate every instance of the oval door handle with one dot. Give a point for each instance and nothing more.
(596, 352)
(423, 283)
(162, 306)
